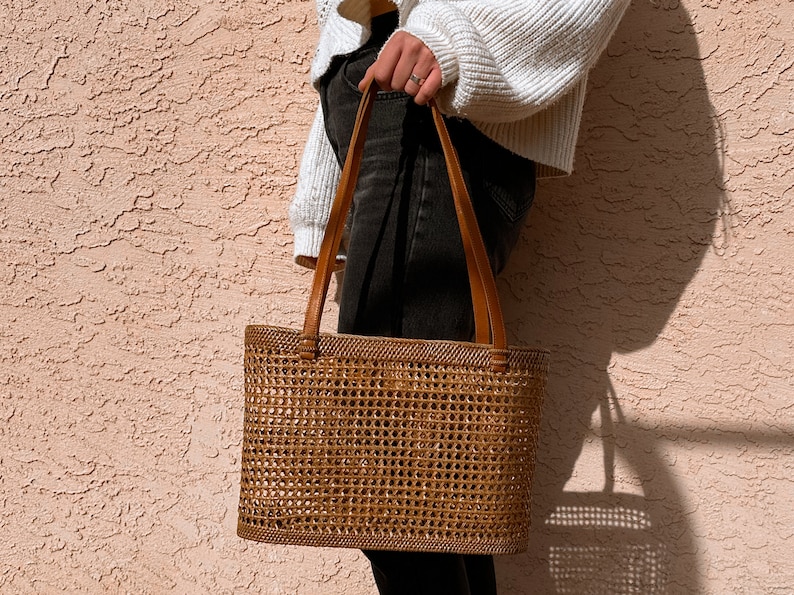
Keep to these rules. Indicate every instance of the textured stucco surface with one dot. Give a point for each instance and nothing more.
(148, 151)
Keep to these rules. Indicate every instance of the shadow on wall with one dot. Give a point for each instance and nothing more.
(605, 259)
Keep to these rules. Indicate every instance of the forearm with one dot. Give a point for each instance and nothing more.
(506, 60)
(317, 182)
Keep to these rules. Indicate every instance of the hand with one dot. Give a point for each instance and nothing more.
(401, 57)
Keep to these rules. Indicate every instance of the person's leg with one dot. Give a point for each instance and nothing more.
(410, 573)
(481, 574)
(415, 573)
(406, 273)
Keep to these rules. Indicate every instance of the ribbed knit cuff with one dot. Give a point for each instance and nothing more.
(308, 239)
(422, 23)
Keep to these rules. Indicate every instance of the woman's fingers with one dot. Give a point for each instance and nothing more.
(428, 88)
(405, 64)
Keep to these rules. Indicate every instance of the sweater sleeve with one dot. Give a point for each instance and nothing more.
(505, 60)
(317, 182)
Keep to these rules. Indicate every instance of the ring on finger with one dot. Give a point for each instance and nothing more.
(416, 80)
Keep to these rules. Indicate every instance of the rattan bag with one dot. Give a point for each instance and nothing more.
(384, 443)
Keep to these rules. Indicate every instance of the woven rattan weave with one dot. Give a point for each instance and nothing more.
(383, 443)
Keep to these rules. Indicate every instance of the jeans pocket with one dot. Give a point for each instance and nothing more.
(512, 193)
(355, 66)
(505, 178)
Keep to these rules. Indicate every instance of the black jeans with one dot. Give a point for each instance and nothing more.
(406, 272)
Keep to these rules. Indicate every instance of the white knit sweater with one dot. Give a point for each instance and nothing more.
(517, 69)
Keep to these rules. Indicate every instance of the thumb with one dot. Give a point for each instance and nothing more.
(368, 76)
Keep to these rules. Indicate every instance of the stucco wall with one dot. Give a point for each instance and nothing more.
(148, 151)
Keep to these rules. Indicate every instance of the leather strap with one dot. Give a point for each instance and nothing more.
(489, 321)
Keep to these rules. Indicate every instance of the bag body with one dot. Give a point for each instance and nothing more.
(383, 443)
(389, 443)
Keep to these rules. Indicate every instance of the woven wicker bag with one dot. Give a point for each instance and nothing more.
(385, 443)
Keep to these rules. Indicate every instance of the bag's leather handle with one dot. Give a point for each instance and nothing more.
(489, 321)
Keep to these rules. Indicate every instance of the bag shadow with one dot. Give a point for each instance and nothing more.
(606, 256)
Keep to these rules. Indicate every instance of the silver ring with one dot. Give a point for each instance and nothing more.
(415, 79)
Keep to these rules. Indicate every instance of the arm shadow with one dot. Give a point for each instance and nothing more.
(600, 269)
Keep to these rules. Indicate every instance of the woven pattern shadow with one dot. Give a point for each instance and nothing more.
(607, 542)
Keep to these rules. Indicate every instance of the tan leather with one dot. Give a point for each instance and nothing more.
(489, 321)
(379, 7)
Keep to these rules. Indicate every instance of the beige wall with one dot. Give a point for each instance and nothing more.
(148, 151)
